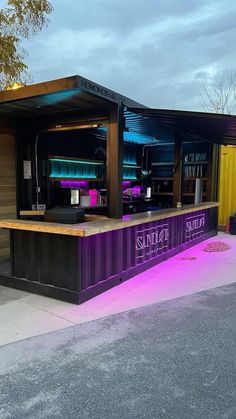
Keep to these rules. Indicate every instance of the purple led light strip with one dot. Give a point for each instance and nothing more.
(74, 184)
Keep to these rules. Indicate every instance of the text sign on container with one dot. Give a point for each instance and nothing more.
(152, 241)
(194, 226)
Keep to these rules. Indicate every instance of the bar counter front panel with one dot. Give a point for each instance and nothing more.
(75, 268)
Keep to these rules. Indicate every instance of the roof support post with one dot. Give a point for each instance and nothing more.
(115, 162)
(177, 175)
(213, 173)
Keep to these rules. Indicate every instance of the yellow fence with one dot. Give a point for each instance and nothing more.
(227, 184)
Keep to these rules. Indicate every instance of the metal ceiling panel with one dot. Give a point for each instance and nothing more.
(214, 128)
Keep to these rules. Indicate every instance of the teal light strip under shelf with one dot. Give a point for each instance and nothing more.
(129, 178)
(85, 177)
(131, 166)
(77, 161)
(125, 164)
(61, 176)
(130, 162)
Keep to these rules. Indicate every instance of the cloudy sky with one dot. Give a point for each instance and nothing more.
(154, 51)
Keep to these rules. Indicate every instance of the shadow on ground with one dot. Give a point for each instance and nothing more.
(174, 359)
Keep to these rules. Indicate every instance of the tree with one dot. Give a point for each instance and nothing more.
(219, 93)
(20, 19)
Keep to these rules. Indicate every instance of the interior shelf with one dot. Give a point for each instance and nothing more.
(163, 193)
(196, 162)
(76, 160)
(131, 180)
(86, 179)
(192, 194)
(132, 166)
(76, 179)
(194, 178)
(90, 161)
(162, 178)
(166, 163)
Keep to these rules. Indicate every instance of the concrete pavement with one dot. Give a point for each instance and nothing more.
(25, 315)
(170, 360)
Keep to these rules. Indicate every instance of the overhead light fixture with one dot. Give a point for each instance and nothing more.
(70, 127)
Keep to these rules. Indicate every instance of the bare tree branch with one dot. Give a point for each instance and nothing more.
(219, 93)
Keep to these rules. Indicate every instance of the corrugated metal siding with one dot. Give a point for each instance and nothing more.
(112, 253)
(227, 184)
(54, 264)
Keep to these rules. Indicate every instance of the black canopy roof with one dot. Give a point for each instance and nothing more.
(76, 93)
(68, 94)
(215, 128)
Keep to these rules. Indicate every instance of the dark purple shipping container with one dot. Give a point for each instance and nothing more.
(78, 268)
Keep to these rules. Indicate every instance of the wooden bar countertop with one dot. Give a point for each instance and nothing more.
(102, 224)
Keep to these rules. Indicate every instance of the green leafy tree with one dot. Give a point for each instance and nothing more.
(19, 19)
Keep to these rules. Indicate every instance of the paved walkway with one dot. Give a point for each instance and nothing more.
(170, 360)
(24, 315)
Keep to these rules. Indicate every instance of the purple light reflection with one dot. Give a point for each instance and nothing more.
(126, 183)
(127, 217)
(93, 193)
(136, 190)
(74, 184)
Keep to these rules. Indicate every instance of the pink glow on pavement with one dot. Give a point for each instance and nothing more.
(176, 277)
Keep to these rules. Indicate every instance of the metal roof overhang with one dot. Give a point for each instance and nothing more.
(69, 94)
(77, 94)
(159, 123)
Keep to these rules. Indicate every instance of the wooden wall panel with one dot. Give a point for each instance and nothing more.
(7, 184)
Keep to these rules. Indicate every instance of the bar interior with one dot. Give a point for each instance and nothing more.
(97, 187)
